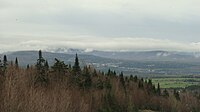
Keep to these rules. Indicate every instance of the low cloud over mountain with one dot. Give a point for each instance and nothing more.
(105, 44)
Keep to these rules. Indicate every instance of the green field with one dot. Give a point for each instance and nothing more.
(176, 82)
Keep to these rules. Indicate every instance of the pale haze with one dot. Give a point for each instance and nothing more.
(172, 25)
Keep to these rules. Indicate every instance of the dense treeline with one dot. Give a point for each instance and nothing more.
(66, 88)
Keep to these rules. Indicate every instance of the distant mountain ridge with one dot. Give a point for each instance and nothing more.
(135, 55)
(30, 57)
(156, 63)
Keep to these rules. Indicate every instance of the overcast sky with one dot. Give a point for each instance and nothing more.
(100, 24)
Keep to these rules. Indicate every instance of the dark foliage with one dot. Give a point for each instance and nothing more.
(76, 67)
(41, 77)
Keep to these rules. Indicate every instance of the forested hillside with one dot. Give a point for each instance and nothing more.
(70, 88)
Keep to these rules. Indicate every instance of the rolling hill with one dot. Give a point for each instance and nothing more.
(149, 63)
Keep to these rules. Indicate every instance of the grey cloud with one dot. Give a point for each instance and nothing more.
(29, 22)
(122, 44)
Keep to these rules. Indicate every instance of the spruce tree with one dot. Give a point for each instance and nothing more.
(16, 63)
(40, 54)
(87, 81)
(27, 67)
(135, 78)
(3, 65)
(114, 73)
(151, 89)
(121, 77)
(158, 90)
(1, 68)
(41, 76)
(59, 68)
(142, 80)
(76, 67)
(46, 65)
(5, 61)
(150, 82)
(109, 72)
